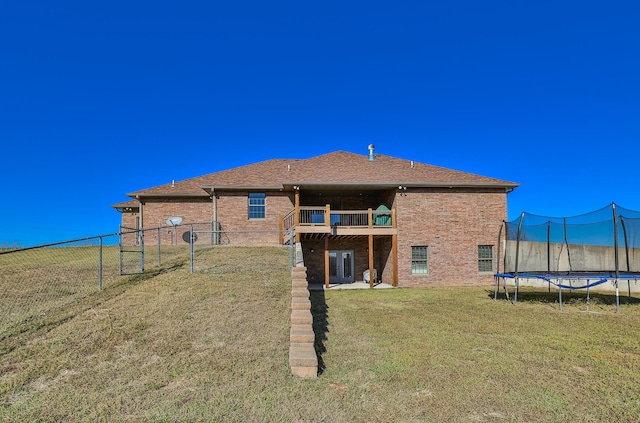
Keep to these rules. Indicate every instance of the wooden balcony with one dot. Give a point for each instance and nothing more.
(323, 220)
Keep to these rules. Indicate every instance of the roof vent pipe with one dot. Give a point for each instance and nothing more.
(372, 156)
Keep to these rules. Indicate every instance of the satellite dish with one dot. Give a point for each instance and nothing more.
(185, 237)
(174, 221)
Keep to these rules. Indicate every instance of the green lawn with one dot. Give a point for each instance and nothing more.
(213, 346)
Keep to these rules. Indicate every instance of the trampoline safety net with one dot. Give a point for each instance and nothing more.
(602, 242)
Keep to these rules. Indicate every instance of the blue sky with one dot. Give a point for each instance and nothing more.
(98, 99)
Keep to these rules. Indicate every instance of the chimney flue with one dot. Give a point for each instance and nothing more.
(372, 156)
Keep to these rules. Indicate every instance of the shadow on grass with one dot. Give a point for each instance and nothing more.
(568, 296)
(320, 324)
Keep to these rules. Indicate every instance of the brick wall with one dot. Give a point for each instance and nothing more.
(314, 261)
(451, 223)
(129, 222)
(232, 214)
(129, 219)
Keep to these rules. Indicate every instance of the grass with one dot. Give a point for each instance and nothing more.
(37, 282)
(213, 346)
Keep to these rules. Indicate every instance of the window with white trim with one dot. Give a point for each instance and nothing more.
(257, 205)
(419, 260)
(485, 258)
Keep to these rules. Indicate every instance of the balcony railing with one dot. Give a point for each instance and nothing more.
(324, 216)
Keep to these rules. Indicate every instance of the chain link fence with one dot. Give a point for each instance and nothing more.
(205, 241)
(37, 280)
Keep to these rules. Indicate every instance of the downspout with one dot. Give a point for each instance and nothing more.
(215, 205)
(139, 234)
(215, 217)
(141, 213)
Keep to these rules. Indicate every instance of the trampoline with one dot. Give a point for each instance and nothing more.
(571, 253)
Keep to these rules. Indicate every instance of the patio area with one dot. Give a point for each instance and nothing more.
(353, 285)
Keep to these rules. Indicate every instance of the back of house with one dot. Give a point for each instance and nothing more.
(414, 224)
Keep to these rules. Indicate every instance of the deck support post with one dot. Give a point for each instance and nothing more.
(326, 261)
(371, 265)
(394, 252)
(297, 213)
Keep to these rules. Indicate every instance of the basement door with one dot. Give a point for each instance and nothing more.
(341, 266)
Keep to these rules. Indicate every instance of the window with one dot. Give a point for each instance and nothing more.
(485, 258)
(419, 264)
(257, 208)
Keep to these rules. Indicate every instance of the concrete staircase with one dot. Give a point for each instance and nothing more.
(302, 354)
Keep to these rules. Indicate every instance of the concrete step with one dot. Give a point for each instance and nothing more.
(299, 282)
(298, 291)
(299, 278)
(303, 360)
(302, 355)
(300, 303)
(305, 372)
(301, 317)
(302, 334)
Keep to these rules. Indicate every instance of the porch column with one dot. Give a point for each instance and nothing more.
(296, 220)
(370, 260)
(327, 215)
(394, 253)
(326, 261)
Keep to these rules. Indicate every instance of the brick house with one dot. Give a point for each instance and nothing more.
(415, 224)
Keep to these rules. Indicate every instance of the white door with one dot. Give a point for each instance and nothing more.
(341, 267)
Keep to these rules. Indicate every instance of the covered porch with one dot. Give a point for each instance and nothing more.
(349, 261)
(351, 232)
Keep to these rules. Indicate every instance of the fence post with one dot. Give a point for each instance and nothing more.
(120, 251)
(216, 237)
(141, 251)
(191, 247)
(100, 268)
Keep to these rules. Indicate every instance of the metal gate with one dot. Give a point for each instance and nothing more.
(131, 251)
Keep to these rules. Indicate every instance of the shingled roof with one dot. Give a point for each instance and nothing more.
(339, 168)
